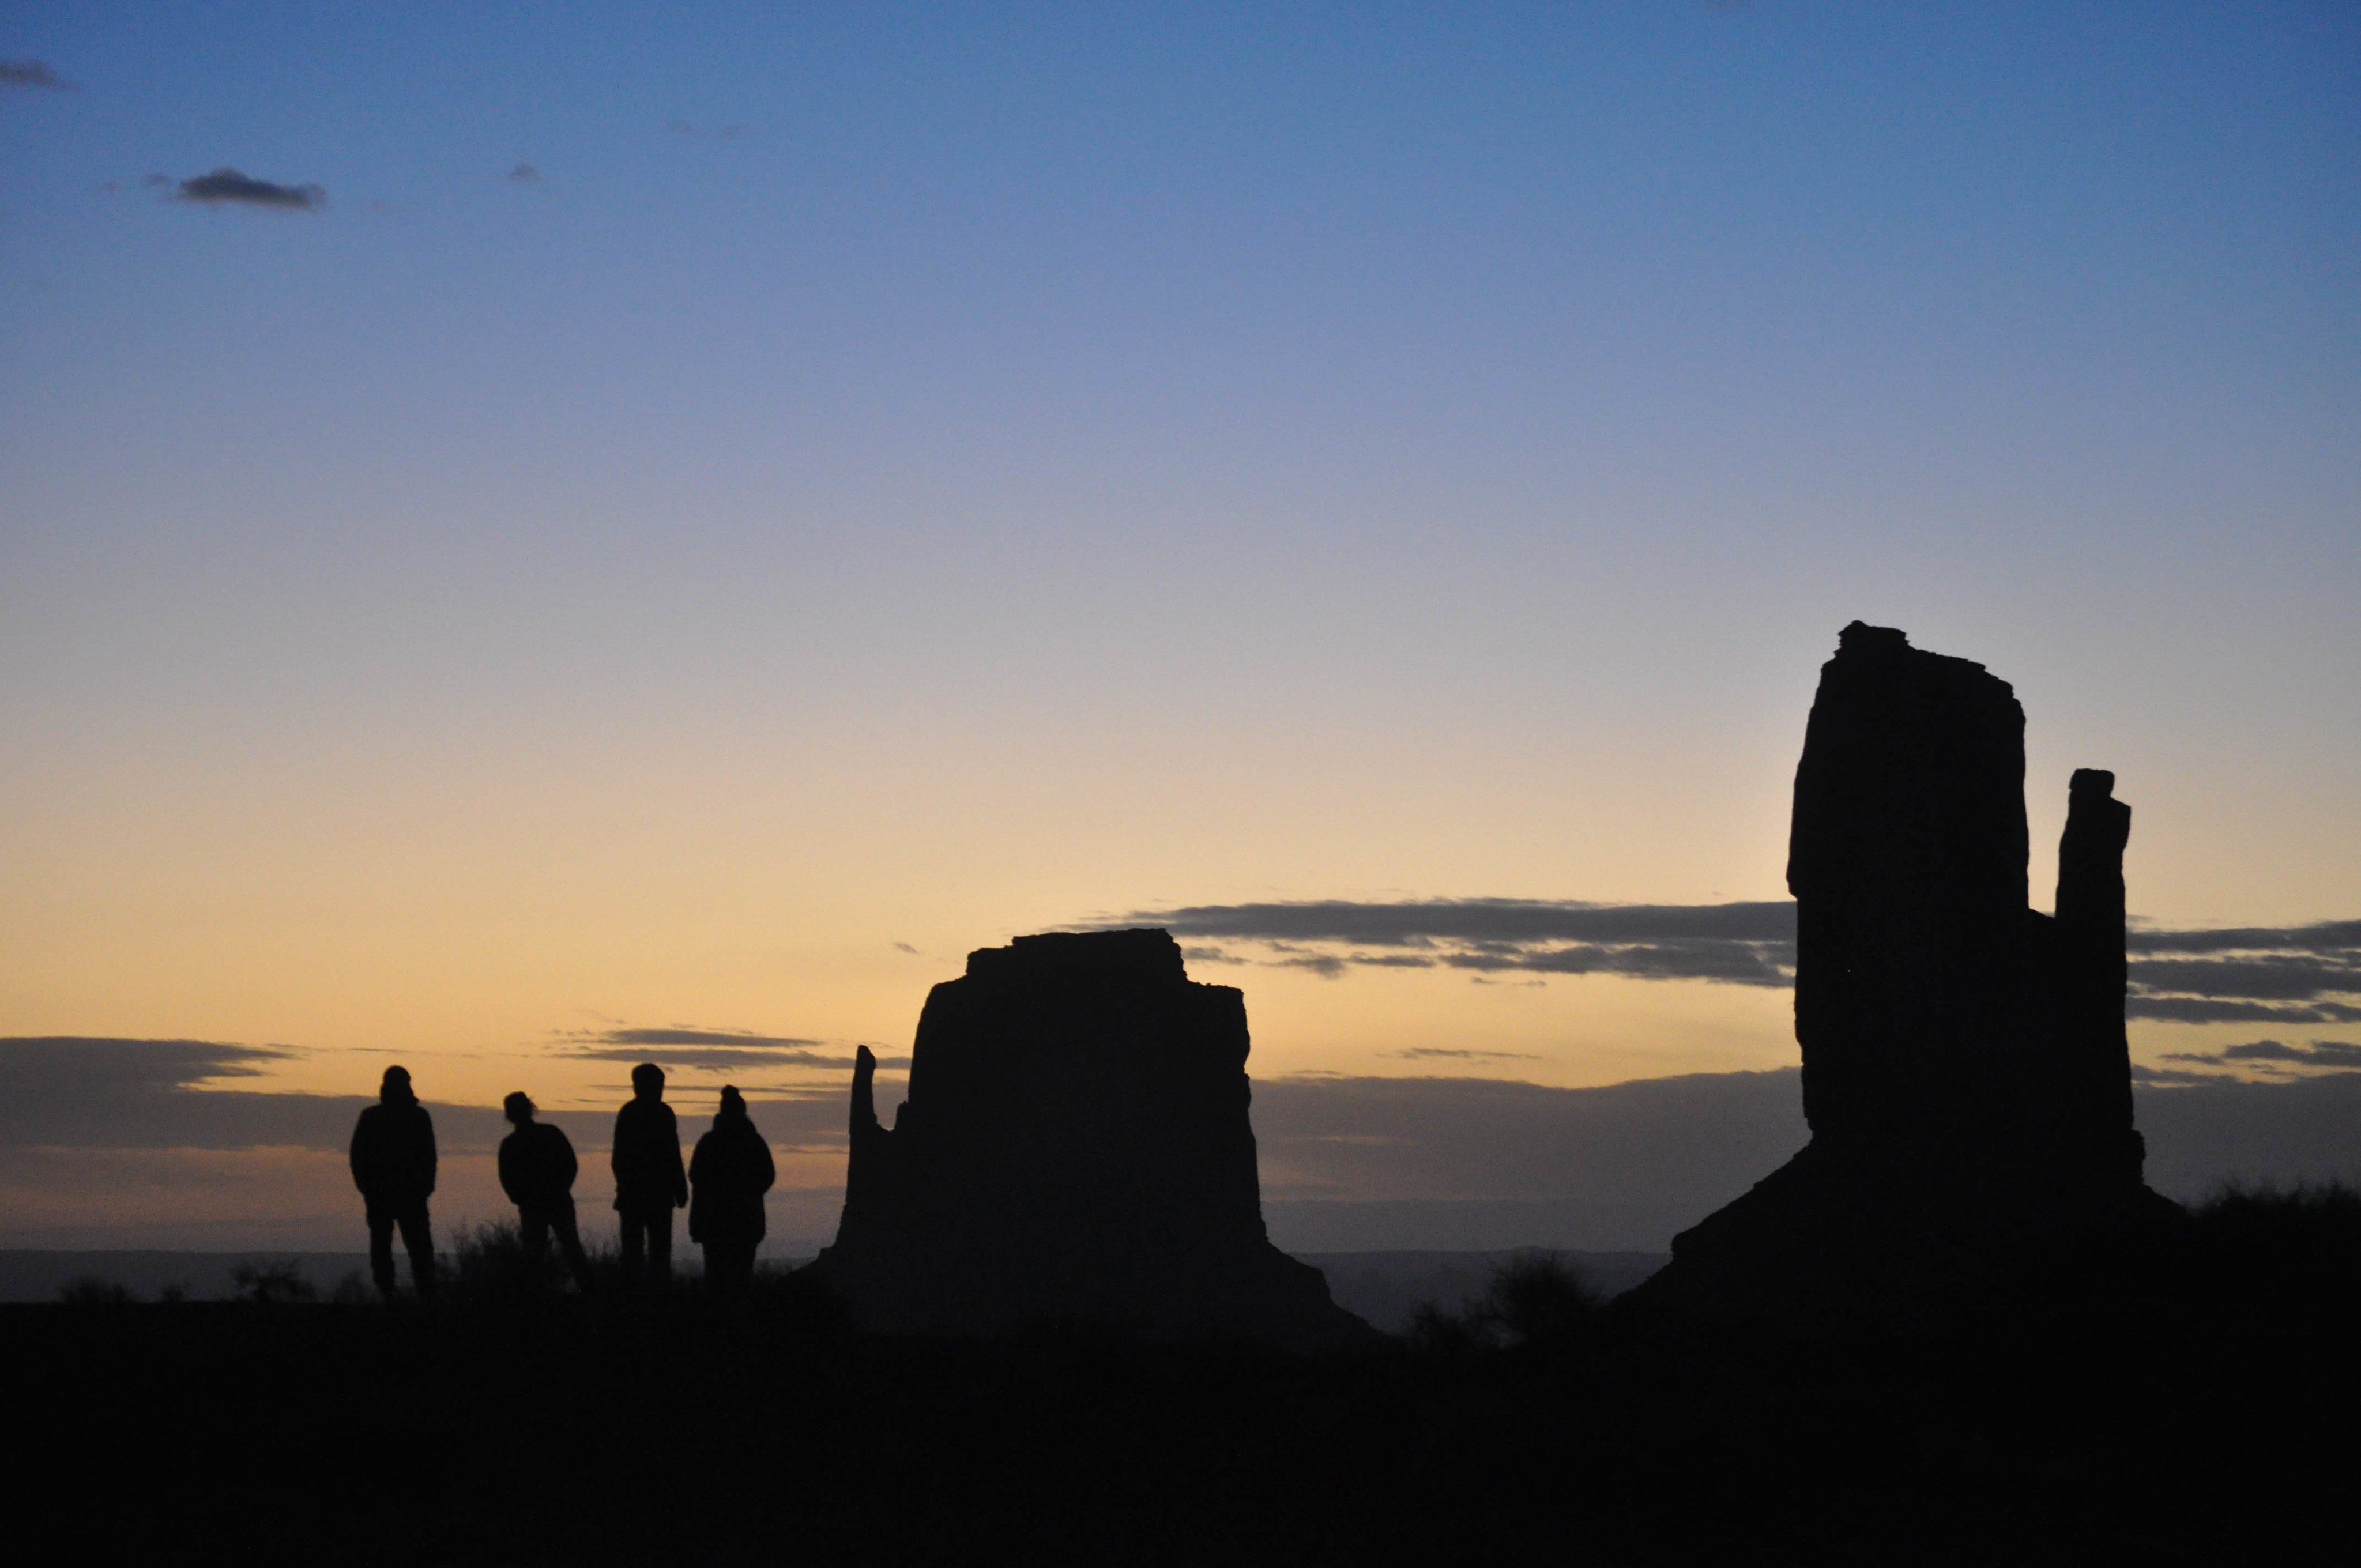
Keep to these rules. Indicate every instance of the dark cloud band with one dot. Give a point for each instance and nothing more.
(2246, 974)
(724, 1050)
(106, 1093)
(1736, 944)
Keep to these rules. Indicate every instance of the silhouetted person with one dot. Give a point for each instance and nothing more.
(730, 1170)
(649, 1180)
(537, 1169)
(393, 1165)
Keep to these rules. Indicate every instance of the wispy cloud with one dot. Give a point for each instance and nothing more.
(523, 174)
(2247, 974)
(705, 133)
(1736, 944)
(228, 187)
(687, 1037)
(2260, 974)
(31, 73)
(2277, 1056)
(722, 1050)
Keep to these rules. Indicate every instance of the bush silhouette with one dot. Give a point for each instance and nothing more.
(90, 1291)
(271, 1284)
(1535, 1301)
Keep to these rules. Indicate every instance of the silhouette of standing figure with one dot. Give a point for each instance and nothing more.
(393, 1165)
(537, 1169)
(730, 1170)
(649, 1181)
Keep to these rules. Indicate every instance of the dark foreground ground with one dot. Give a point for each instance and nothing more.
(2189, 1399)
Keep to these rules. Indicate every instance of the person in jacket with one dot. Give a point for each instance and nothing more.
(649, 1180)
(537, 1169)
(730, 1171)
(393, 1166)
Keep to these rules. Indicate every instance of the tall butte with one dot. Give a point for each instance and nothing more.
(1074, 1146)
(1965, 1075)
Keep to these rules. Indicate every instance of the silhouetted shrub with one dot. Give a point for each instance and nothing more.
(1441, 1331)
(271, 1284)
(1535, 1301)
(354, 1290)
(2299, 1244)
(90, 1291)
(486, 1264)
(486, 1261)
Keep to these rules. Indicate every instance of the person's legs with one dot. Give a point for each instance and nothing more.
(569, 1245)
(660, 1243)
(380, 1230)
(533, 1234)
(634, 1243)
(418, 1236)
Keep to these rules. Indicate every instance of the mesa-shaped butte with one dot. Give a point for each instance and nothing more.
(1075, 1145)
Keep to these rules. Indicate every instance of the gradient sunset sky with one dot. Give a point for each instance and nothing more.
(691, 518)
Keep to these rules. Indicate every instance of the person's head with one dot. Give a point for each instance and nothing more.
(394, 1088)
(518, 1107)
(733, 1106)
(647, 1081)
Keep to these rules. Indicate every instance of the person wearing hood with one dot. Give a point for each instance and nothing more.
(393, 1166)
(537, 1170)
(729, 1173)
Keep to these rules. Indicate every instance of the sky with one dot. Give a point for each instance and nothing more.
(532, 533)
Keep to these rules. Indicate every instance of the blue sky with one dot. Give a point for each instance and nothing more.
(913, 474)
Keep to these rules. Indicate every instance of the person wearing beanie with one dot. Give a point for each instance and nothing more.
(729, 1172)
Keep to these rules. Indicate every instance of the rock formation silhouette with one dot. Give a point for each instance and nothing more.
(1966, 1076)
(1074, 1146)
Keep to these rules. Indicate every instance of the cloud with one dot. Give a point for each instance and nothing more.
(2204, 1010)
(31, 73)
(1736, 944)
(739, 1038)
(721, 1051)
(2271, 977)
(2144, 1074)
(722, 1058)
(2247, 974)
(2243, 974)
(124, 1133)
(2336, 1053)
(1419, 922)
(2343, 937)
(227, 185)
(85, 1091)
(35, 1065)
(107, 1093)
(1443, 1053)
(523, 174)
(704, 133)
